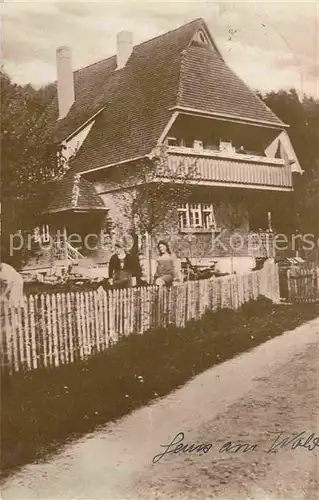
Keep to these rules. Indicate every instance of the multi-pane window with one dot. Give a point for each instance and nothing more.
(172, 141)
(45, 233)
(42, 234)
(183, 216)
(208, 216)
(196, 216)
(184, 142)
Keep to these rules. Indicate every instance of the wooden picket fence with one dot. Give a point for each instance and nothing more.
(303, 283)
(56, 328)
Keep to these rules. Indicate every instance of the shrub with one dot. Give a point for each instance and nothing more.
(258, 307)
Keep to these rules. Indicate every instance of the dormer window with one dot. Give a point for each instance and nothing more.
(201, 38)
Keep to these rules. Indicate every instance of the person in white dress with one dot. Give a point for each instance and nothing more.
(11, 285)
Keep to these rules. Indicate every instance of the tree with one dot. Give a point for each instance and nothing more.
(303, 118)
(309, 204)
(294, 112)
(158, 188)
(235, 215)
(31, 162)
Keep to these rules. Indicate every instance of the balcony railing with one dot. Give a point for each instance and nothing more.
(219, 168)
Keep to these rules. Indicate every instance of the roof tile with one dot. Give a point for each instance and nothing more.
(208, 84)
(87, 198)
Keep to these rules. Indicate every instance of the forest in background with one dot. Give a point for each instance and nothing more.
(29, 158)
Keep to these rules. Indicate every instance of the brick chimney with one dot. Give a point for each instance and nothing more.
(65, 80)
(124, 47)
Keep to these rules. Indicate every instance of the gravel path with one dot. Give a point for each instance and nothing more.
(247, 400)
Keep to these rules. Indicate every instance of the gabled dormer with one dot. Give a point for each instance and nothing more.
(202, 37)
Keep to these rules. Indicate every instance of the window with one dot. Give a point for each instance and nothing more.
(42, 234)
(183, 216)
(188, 142)
(172, 141)
(180, 142)
(45, 233)
(202, 38)
(211, 144)
(36, 234)
(208, 216)
(195, 219)
(196, 216)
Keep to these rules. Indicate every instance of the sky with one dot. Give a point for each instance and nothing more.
(270, 45)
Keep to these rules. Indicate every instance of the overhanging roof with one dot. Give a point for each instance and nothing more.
(76, 195)
(168, 71)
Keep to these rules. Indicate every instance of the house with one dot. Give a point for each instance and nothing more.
(174, 92)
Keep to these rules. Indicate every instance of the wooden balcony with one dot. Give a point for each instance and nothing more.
(220, 168)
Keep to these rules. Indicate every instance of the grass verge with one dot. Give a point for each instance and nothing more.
(42, 410)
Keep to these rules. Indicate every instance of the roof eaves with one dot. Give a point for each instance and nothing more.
(96, 169)
(167, 127)
(271, 111)
(84, 124)
(280, 124)
(76, 209)
(198, 21)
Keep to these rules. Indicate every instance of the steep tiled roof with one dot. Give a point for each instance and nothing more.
(92, 86)
(139, 105)
(208, 84)
(135, 103)
(149, 75)
(160, 74)
(73, 193)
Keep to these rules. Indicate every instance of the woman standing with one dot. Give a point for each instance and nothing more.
(166, 270)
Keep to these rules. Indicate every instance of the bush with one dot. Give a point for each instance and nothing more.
(258, 307)
(45, 408)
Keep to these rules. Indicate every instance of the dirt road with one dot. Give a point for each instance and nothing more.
(267, 394)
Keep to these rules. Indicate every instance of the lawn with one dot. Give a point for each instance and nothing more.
(44, 409)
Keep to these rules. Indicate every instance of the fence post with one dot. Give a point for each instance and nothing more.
(7, 333)
(70, 301)
(59, 314)
(33, 336)
(105, 312)
(62, 327)
(277, 284)
(43, 330)
(289, 285)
